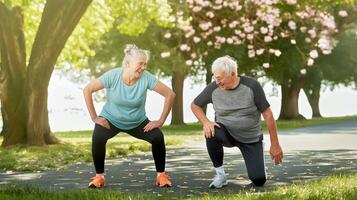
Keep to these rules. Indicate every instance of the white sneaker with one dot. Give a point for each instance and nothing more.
(219, 181)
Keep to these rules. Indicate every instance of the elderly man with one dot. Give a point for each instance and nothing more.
(238, 102)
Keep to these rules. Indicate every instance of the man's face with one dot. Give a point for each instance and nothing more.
(223, 80)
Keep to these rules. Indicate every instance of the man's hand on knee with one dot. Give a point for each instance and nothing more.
(208, 129)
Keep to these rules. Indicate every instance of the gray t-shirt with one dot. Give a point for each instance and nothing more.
(238, 109)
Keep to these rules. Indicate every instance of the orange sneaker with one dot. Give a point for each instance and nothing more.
(97, 181)
(162, 180)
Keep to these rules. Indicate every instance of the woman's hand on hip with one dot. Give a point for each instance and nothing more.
(151, 125)
(102, 121)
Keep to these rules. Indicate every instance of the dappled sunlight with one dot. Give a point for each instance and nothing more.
(191, 171)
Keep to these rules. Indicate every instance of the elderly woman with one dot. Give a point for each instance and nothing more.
(124, 111)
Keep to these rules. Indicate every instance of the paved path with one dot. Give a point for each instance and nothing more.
(310, 153)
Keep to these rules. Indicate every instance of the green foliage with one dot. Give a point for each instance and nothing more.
(135, 16)
(95, 22)
(341, 65)
(128, 17)
(76, 148)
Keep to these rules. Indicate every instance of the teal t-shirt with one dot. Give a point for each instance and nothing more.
(125, 105)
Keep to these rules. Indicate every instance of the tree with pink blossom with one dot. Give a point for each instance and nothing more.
(282, 39)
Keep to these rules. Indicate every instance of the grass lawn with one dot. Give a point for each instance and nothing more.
(333, 187)
(76, 146)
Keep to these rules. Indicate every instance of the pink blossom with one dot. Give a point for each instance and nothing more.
(263, 30)
(277, 53)
(196, 39)
(310, 62)
(216, 28)
(165, 54)
(292, 25)
(248, 29)
(167, 35)
(312, 33)
(189, 62)
(267, 38)
(260, 51)
(210, 14)
(184, 47)
(291, 2)
(303, 71)
(314, 54)
(196, 9)
(342, 13)
(303, 29)
(251, 53)
(266, 65)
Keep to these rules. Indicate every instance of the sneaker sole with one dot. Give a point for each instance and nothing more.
(166, 185)
(219, 186)
(95, 187)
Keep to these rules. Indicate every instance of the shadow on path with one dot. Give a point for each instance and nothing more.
(191, 171)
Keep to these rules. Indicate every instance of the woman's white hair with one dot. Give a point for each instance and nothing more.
(227, 63)
(131, 51)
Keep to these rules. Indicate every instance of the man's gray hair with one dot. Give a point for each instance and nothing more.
(131, 50)
(227, 63)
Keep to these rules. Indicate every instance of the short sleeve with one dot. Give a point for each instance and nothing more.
(259, 97)
(205, 97)
(152, 80)
(107, 79)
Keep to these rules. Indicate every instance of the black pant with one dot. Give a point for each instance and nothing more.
(101, 135)
(252, 154)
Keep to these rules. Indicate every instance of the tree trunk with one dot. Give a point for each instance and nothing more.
(25, 95)
(13, 73)
(289, 100)
(313, 96)
(58, 21)
(177, 108)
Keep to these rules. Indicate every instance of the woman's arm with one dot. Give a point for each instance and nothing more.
(92, 87)
(169, 95)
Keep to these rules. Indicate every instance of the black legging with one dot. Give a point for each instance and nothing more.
(101, 135)
(252, 153)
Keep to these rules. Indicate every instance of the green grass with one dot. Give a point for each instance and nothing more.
(288, 124)
(282, 124)
(76, 146)
(343, 186)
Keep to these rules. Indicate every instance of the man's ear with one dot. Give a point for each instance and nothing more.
(233, 73)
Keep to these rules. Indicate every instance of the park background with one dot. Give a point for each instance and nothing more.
(302, 52)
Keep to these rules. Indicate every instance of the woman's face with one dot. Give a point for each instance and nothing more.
(138, 64)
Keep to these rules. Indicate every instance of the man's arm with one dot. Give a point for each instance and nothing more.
(276, 152)
(208, 126)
